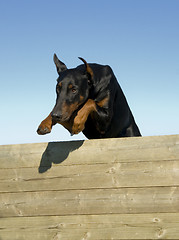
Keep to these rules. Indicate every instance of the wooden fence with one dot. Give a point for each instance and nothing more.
(88, 190)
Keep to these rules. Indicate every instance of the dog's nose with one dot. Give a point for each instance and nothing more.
(56, 116)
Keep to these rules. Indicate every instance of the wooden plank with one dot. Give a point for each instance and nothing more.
(96, 176)
(95, 201)
(101, 151)
(94, 227)
(96, 189)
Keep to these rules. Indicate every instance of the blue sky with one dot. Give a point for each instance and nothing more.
(139, 39)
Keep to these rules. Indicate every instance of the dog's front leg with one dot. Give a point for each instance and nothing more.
(46, 125)
(82, 115)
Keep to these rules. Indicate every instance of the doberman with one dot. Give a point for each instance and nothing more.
(89, 99)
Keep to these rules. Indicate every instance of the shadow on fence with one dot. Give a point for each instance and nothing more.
(57, 152)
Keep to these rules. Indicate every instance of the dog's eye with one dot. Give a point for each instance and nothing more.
(73, 90)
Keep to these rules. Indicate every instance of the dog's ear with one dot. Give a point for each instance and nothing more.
(59, 65)
(89, 71)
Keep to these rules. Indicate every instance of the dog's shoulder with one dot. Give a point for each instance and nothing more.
(103, 80)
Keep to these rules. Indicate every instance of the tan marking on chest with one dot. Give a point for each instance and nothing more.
(103, 102)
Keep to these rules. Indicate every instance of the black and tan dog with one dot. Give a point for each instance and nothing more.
(89, 99)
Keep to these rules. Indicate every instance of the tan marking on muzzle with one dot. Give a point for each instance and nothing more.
(67, 110)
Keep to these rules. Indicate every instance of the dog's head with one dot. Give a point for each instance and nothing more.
(72, 89)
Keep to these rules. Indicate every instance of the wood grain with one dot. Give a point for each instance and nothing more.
(96, 189)
(95, 201)
(96, 176)
(114, 226)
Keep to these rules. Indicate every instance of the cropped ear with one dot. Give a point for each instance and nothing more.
(89, 71)
(59, 65)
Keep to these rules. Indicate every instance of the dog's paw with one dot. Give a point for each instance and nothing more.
(78, 125)
(43, 129)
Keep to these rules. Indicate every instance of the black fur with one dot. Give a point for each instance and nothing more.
(92, 91)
